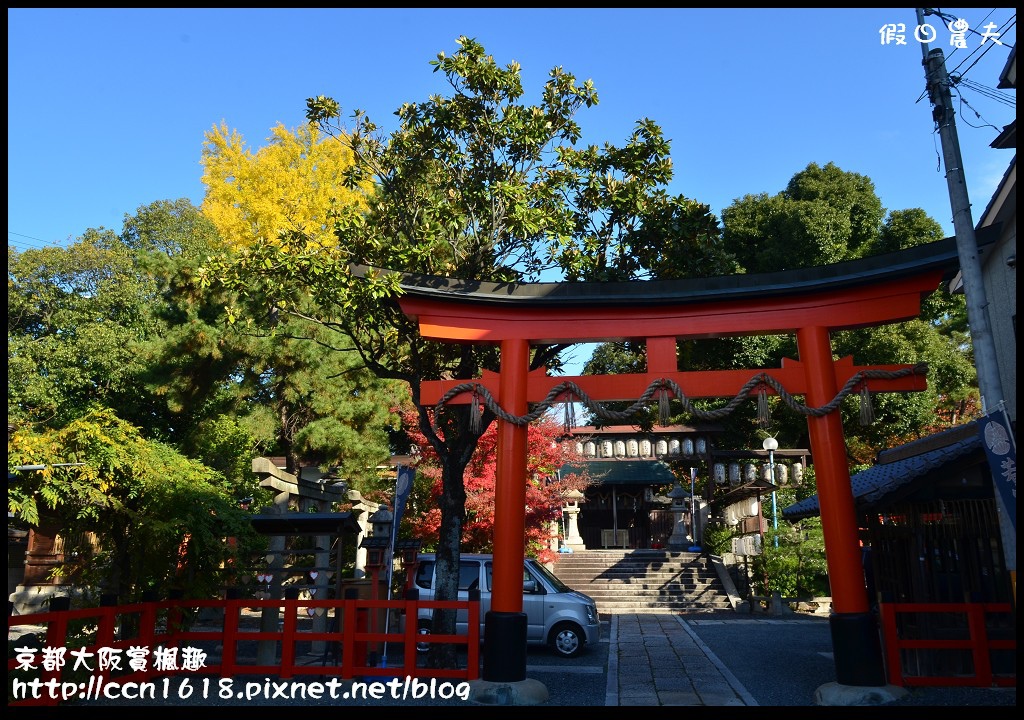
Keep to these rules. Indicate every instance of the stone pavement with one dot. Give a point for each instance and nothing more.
(673, 660)
(729, 659)
(658, 660)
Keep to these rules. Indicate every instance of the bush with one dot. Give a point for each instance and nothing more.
(718, 539)
(796, 568)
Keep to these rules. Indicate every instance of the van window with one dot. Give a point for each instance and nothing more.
(425, 574)
(490, 573)
(469, 575)
(547, 575)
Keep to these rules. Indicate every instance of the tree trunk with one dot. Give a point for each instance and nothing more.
(453, 510)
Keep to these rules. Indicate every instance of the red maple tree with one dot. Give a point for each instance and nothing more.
(545, 485)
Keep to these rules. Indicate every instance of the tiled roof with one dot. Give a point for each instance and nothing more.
(300, 523)
(873, 485)
(624, 472)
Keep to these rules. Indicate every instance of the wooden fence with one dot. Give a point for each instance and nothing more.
(66, 663)
(950, 644)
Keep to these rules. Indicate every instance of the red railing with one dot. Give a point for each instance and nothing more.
(356, 634)
(915, 656)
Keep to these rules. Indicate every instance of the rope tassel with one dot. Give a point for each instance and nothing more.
(764, 415)
(474, 413)
(664, 411)
(867, 412)
(570, 414)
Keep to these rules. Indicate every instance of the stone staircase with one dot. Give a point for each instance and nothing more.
(644, 581)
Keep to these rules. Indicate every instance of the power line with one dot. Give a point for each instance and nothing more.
(984, 47)
(37, 243)
(989, 92)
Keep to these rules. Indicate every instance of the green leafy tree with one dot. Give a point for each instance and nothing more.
(135, 514)
(300, 378)
(75, 318)
(796, 567)
(475, 185)
(119, 324)
(85, 325)
(826, 215)
(191, 362)
(229, 393)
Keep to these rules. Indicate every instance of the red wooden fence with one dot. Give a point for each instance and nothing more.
(950, 644)
(357, 634)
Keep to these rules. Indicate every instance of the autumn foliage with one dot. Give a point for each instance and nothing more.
(546, 453)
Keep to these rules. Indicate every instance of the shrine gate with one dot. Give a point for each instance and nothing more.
(810, 303)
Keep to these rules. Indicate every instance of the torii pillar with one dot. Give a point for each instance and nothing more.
(505, 623)
(810, 302)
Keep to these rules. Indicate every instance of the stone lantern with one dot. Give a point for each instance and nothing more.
(409, 550)
(678, 539)
(573, 540)
(376, 553)
(381, 521)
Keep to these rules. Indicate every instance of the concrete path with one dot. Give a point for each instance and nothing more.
(659, 660)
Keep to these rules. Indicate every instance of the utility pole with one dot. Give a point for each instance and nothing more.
(970, 266)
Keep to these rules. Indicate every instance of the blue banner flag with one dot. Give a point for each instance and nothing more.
(402, 488)
(1002, 460)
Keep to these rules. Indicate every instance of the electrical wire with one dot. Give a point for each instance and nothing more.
(23, 245)
(958, 78)
(982, 48)
(986, 91)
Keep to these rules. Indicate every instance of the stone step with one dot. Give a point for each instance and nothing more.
(644, 581)
(679, 603)
(618, 576)
(654, 595)
(588, 556)
(615, 570)
(595, 573)
(626, 578)
(641, 564)
(625, 609)
(643, 588)
(662, 611)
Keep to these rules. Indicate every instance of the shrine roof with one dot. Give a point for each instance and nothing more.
(871, 487)
(929, 257)
(300, 523)
(623, 472)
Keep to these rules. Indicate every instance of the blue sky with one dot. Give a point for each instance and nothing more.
(107, 109)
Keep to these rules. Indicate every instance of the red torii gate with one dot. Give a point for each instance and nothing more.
(810, 302)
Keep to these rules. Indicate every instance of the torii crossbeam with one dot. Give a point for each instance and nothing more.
(810, 303)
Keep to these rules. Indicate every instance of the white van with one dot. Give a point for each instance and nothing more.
(556, 614)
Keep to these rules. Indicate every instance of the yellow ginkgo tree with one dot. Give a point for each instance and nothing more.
(290, 186)
(326, 406)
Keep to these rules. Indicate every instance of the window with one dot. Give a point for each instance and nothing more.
(489, 574)
(425, 574)
(469, 575)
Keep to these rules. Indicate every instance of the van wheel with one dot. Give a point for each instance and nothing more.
(567, 639)
(423, 628)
